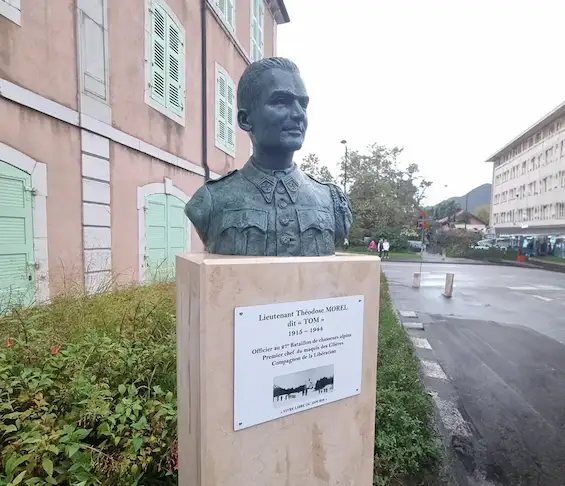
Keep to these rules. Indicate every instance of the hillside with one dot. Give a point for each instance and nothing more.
(477, 197)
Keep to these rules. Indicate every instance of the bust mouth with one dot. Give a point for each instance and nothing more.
(294, 131)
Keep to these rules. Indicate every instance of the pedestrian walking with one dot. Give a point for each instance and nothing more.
(386, 248)
(380, 247)
(372, 246)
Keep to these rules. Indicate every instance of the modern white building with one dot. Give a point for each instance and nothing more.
(528, 182)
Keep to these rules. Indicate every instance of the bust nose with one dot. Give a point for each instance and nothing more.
(298, 112)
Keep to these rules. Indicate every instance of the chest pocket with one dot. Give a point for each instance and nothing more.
(317, 230)
(243, 232)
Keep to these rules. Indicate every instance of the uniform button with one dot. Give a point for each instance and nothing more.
(283, 204)
(280, 189)
(285, 239)
(284, 221)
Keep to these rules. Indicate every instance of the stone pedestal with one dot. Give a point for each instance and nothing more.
(331, 444)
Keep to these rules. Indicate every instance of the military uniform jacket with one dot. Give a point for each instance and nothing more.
(270, 213)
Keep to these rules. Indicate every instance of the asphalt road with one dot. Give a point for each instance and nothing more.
(494, 360)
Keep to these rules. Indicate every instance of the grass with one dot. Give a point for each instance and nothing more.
(550, 259)
(406, 451)
(392, 254)
(405, 446)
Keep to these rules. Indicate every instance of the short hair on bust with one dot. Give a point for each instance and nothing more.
(248, 84)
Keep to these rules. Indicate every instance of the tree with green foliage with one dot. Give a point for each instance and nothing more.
(483, 213)
(311, 165)
(385, 197)
(445, 209)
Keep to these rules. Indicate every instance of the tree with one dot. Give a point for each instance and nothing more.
(446, 209)
(483, 213)
(311, 165)
(385, 198)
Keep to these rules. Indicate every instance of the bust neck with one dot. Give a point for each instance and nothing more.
(272, 159)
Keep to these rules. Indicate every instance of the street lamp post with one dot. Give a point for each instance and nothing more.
(344, 142)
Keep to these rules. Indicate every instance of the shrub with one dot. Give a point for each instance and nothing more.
(88, 394)
(405, 443)
(87, 391)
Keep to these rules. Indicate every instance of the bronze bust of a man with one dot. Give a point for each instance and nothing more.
(271, 207)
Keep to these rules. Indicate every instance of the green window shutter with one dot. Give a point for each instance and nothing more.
(166, 235)
(230, 13)
(230, 116)
(175, 68)
(158, 54)
(156, 251)
(222, 6)
(257, 20)
(221, 109)
(177, 231)
(17, 273)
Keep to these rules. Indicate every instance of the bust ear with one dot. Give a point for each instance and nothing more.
(243, 120)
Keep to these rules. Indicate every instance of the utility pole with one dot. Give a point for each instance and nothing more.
(345, 163)
(466, 210)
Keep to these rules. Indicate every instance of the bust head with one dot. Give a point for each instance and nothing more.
(272, 102)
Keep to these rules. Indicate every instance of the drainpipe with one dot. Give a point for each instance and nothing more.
(204, 92)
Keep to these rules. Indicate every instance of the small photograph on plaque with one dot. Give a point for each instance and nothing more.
(302, 385)
(294, 356)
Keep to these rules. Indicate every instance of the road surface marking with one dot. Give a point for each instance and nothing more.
(408, 313)
(414, 325)
(433, 370)
(420, 342)
(549, 287)
(523, 288)
(451, 417)
(546, 299)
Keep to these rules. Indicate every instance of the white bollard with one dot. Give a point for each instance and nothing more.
(448, 291)
(416, 281)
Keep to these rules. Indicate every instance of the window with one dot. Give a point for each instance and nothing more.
(225, 112)
(226, 10)
(11, 9)
(257, 20)
(166, 71)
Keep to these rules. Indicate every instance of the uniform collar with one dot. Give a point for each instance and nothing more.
(266, 180)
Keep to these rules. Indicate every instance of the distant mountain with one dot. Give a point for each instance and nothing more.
(477, 197)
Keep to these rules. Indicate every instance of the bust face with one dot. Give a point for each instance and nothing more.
(278, 119)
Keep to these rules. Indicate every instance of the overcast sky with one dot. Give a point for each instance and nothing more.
(451, 81)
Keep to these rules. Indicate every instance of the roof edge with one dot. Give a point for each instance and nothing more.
(279, 11)
(530, 130)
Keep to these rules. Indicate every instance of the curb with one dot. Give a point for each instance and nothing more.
(439, 262)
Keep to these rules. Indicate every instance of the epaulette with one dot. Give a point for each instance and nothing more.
(222, 177)
(316, 180)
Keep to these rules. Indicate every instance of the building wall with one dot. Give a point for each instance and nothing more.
(26, 56)
(101, 147)
(130, 113)
(529, 183)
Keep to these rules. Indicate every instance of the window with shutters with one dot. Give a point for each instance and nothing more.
(257, 22)
(166, 63)
(225, 112)
(11, 9)
(226, 11)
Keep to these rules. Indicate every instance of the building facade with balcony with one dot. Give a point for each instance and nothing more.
(112, 114)
(528, 182)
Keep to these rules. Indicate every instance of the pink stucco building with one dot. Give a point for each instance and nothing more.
(112, 113)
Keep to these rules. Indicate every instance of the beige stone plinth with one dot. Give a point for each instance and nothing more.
(328, 445)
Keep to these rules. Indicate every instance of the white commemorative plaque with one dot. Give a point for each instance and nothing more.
(294, 356)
